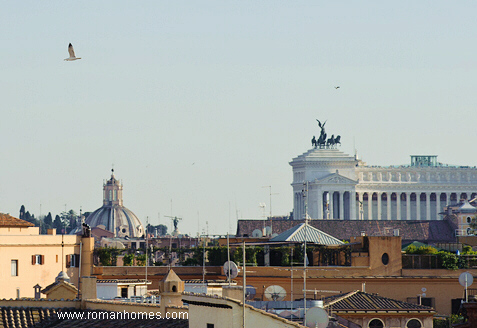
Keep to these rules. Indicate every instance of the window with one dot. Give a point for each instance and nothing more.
(413, 323)
(376, 323)
(73, 261)
(469, 220)
(38, 259)
(124, 292)
(385, 258)
(14, 268)
(210, 325)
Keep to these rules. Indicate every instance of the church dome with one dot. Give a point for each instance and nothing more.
(113, 216)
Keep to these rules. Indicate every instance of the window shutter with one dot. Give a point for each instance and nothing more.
(33, 259)
(42, 259)
(68, 261)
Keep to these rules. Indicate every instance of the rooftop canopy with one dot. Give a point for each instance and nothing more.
(313, 235)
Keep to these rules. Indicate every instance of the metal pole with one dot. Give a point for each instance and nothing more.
(203, 263)
(291, 288)
(79, 269)
(466, 297)
(147, 259)
(244, 286)
(228, 258)
(304, 252)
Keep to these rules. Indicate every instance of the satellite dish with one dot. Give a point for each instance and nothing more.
(257, 233)
(466, 279)
(250, 292)
(316, 317)
(268, 231)
(275, 293)
(231, 267)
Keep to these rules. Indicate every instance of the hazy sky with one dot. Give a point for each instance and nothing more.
(205, 102)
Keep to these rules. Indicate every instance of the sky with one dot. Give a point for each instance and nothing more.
(200, 105)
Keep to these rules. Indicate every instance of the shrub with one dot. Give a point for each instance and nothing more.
(128, 259)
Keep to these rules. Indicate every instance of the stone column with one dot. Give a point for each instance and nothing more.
(320, 205)
(438, 205)
(370, 205)
(361, 205)
(389, 194)
(428, 205)
(341, 203)
(398, 206)
(331, 204)
(418, 205)
(448, 198)
(408, 206)
(379, 206)
(352, 212)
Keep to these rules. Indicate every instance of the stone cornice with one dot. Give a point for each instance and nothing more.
(333, 164)
(363, 187)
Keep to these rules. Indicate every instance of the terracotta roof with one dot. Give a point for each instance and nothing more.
(362, 301)
(6, 220)
(28, 317)
(123, 281)
(171, 276)
(57, 284)
(409, 230)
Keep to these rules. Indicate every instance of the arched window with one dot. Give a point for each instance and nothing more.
(469, 219)
(376, 323)
(413, 323)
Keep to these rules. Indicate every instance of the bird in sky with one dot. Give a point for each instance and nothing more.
(337, 87)
(71, 51)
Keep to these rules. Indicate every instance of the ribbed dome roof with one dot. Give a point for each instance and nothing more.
(118, 219)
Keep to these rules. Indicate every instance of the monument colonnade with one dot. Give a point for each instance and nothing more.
(342, 202)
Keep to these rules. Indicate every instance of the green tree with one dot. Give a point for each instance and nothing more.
(22, 212)
(141, 260)
(161, 229)
(69, 220)
(58, 225)
(128, 259)
(48, 221)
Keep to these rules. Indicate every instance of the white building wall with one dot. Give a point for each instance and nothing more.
(320, 173)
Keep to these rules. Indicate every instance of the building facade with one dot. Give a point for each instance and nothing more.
(329, 184)
(28, 258)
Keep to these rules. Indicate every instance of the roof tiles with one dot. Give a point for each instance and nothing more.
(358, 300)
(6, 220)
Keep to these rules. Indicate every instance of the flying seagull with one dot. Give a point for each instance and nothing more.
(71, 51)
(337, 87)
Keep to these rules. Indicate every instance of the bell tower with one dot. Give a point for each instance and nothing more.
(112, 191)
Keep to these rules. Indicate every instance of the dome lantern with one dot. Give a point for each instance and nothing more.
(112, 191)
